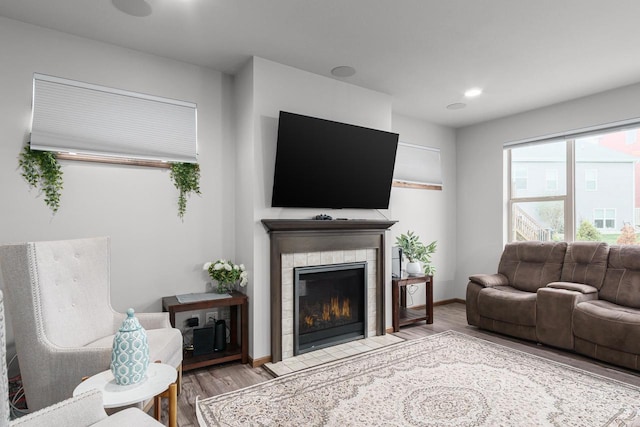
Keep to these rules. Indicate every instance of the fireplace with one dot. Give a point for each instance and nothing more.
(298, 243)
(329, 305)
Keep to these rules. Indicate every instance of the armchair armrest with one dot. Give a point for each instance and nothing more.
(83, 410)
(570, 286)
(489, 280)
(154, 320)
(147, 320)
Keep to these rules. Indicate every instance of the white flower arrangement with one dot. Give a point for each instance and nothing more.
(227, 274)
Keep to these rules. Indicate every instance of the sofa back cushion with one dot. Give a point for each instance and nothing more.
(622, 279)
(585, 262)
(531, 265)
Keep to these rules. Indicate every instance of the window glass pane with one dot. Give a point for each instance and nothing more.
(536, 161)
(538, 221)
(607, 197)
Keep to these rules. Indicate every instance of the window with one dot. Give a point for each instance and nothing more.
(604, 218)
(591, 179)
(551, 176)
(573, 188)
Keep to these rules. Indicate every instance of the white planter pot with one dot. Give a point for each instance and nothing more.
(413, 268)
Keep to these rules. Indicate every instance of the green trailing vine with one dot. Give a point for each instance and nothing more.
(186, 178)
(41, 170)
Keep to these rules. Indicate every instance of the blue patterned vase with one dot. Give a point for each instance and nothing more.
(130, 354)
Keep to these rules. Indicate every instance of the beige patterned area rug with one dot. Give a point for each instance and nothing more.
(449, 379)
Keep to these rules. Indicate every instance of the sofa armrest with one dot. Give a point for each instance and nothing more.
(489, 280)
(570, 286)
(83, 410)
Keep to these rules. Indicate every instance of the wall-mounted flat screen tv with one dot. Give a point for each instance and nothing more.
(326, 164)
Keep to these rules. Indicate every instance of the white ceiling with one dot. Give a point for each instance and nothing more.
(425, 53)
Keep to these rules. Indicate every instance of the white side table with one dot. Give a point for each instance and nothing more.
(159, 382)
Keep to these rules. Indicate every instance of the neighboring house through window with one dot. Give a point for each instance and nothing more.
(520, 178)
(551, 176)
(591, 179)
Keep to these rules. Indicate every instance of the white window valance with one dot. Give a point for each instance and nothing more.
(76, 117)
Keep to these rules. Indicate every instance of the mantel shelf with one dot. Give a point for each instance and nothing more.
(318, 225)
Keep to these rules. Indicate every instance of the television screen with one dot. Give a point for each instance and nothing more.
(326, 164)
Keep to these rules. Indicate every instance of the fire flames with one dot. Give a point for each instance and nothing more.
(335, 309)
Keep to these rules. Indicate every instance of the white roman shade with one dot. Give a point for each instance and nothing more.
(418, 164)
(82, 118)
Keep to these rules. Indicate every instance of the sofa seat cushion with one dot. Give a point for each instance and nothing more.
(162, 345)
(508, 304)
(607, 324)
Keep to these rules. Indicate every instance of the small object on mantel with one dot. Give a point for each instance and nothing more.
(323, 217)
(342, 219)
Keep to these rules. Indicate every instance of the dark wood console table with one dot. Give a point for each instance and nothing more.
(403, 315)
(234, 350)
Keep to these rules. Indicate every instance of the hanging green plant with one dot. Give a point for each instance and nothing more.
(41, 170)
(186, 178)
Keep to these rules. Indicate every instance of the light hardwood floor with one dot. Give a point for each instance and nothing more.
(221, 379)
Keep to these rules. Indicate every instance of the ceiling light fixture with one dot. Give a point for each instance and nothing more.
(137, 8)
(343, 71)
(456, 106)
(473, 92)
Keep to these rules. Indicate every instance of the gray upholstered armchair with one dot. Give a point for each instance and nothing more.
(59, 301)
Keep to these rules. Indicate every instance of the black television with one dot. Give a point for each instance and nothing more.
(325, 164)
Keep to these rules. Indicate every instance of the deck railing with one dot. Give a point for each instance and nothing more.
(527, 228)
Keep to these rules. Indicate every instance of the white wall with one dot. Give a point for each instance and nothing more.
(480, 198)
(154, 254)
(277, 87)
(429, 213)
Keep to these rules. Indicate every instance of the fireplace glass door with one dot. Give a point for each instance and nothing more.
(329, 305)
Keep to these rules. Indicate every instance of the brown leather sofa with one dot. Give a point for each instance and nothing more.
(581, 296)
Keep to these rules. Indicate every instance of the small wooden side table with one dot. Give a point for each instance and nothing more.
(159, 382)
(403, 315)
(235, 350)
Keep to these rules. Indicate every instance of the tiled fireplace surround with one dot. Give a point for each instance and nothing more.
(297, 243)
(304, 259)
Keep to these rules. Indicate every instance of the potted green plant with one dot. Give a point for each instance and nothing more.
(416, 253)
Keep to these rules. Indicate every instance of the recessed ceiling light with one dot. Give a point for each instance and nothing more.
(343, 71)
(473, 92)
(456, 106)
(138, 8)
